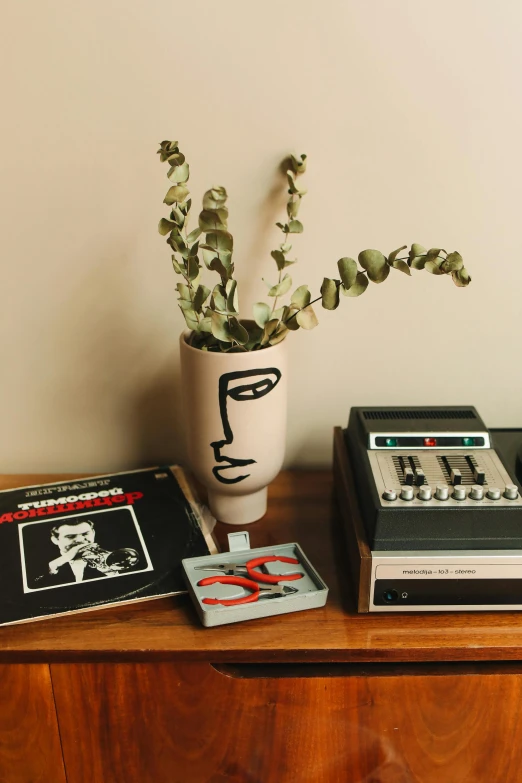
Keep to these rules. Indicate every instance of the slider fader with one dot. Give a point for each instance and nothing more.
(432, 479)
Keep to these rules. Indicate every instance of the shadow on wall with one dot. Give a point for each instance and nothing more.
(114, 395)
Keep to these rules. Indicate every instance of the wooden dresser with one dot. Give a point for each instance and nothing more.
(145, 694)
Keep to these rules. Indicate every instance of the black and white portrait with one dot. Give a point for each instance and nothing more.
(81, 547)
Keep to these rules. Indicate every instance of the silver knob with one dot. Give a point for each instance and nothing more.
(425, 492)
(459, 492)
(407, 493)
(441, 492)
(511, 492)
(389, 494)
(476, 492)
(493, 493)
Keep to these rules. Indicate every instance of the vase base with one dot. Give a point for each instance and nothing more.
(238, 509)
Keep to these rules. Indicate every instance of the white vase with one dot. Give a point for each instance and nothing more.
(234, 407)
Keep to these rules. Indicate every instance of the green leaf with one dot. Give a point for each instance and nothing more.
(192, 268)
(393, 256)
(295, 227)
(184, 291)
(290, 319)
(279, 336)
(261, 314)
(176, 158)
(213, 219)
(402, 266)
(453, 263)
(219, 299)
(418, 262)
(177, 266)
(179, 174)
(348, 271)
(461, 277)
(417, 256)
(214, 198)
(195, 234)
(281, 288)
(224, 271)
(269, 330)
(285, 247)
(291, 182)
(194, 249)
(306, 318)
(433, 268)
(279, 258)
(191, 319)
(238, 331)
(255, 335)
(417, 250)
(165, 227)
(200, 297)
(219, 245)
(232, 298)
(177, 216)
(205, 325)
(375, 264)
(433, 254)
(301, 296)
(292, 208)
(220, 328)
(358, 288)
(176, 194)
(330, 294)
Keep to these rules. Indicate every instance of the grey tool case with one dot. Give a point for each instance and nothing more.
(310, 591)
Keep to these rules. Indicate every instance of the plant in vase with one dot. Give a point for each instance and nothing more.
(235, 450)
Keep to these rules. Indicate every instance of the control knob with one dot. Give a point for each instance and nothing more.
(476, 492)
(511, 492)
(441, 492)
(407, 492)
(389, 494)
(459, 492)
(425, 492)
(493, 493)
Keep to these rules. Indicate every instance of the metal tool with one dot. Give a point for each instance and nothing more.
(257, 591)
(233, 569)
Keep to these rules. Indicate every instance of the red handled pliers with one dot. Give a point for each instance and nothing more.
(257, 590)
(233, 576)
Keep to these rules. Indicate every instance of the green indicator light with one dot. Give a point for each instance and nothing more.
(468, 441)
(391, 441)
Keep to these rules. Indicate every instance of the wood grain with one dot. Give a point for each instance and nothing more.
(30, 749)
(301, 508)
(173, 723)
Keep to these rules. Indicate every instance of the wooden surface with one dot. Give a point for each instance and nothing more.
(30, 749)
(173, 723)
(300, 509)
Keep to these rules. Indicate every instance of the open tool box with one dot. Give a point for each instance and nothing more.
(247, 583)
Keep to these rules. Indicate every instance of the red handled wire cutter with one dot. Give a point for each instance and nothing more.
(233, 576)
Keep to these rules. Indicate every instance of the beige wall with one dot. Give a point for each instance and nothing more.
(411, 114)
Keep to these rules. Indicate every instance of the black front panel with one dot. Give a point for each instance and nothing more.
(446, 592)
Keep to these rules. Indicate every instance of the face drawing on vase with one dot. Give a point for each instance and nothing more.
(245, 386)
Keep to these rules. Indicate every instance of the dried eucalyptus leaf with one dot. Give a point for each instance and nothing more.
(195, 234)
(255, 335)
(224, 271)
(165, 227)
(191, 319)
(292, 208)
(192, 268)
(176, 193)
(359, 287)
(281, 288)
(176, 158)
(417, 250)
(290, 319)
(213, 219)
(261, 314)
(330, 294)
(433, 254)
(295, 227)
(393, 256)
(205, 325)
(214, 198)
(452, 263)
(306, 318)
(289, 263)
(461, 277)
(177, 216)
(201, 296)
(279, 258)
(185, 304)
(285, 247)
(418, 262)
(179, 174)
(301, 296)
(348, 271)
(184, 291)
(291, 181)
(433, 268)
(232, 296)
(375, 264)
(402, 266)
(177, 267)
(279, 336)
(219, 299)
(238, 331)
(220, 327)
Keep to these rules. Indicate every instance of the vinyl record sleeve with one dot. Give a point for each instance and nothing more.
(85, 543)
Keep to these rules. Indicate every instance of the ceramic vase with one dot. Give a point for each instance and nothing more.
(234, 407)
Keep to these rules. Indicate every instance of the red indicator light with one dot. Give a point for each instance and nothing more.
(430, 441)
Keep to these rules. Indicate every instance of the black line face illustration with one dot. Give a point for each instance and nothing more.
(268, 377)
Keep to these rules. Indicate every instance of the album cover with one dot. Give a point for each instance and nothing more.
(83, 544)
